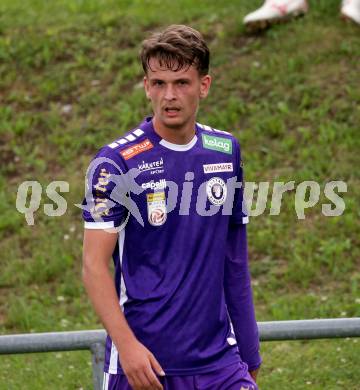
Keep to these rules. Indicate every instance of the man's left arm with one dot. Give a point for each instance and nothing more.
(239, 299)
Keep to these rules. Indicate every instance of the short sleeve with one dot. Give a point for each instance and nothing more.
(239, 212)
(102, 206)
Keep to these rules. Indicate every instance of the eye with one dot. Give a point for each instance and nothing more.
(158, 82)
(183, 82)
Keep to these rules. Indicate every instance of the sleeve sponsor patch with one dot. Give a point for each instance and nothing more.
(136, 149)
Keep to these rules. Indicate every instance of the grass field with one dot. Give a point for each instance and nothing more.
(69, 83)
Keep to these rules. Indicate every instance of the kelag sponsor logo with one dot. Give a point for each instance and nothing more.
(219, 144)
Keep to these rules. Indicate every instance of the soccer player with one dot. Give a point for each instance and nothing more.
(278, 10)
(180, 313)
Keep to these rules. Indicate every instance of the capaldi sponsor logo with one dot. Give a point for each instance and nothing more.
(136, 149)
(154, 185)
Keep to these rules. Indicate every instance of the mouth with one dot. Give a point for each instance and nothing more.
(172, 111)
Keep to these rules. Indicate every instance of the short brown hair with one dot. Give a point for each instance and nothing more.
(176, 47)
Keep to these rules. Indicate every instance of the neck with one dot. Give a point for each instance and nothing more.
(176, 135)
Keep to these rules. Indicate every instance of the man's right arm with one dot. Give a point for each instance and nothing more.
(137, 362)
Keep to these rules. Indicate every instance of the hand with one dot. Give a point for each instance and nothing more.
(254, 373)
(139, 364)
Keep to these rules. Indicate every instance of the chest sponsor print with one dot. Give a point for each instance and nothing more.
(219, 144)
(154, 167)
(156, 208)
(154, 185)
(215, 168)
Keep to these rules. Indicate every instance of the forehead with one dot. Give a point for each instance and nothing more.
(157, 71)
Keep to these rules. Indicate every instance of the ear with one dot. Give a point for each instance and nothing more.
(205, 83)
(146, 87)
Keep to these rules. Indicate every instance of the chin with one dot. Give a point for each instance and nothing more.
(173, 122)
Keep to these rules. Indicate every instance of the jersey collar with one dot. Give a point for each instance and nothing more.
(177, 147)
(169, 145)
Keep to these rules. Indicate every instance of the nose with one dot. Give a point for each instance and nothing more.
(169, 92)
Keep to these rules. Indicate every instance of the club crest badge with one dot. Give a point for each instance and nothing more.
(156, 207)
(216, 191)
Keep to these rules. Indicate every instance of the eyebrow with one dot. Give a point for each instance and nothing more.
(155, 79)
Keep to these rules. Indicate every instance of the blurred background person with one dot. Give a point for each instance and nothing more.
(273, 11)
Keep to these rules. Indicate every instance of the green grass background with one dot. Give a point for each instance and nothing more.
(291, 95)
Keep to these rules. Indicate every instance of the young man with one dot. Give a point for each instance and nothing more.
(180, 314)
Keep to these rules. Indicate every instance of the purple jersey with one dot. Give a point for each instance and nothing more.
(170, 256)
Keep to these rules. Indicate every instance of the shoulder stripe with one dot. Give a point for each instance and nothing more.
(200, 125)
(222, 131)
(138, 132)
(208, 128)
(128, 138)
(205, 127)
